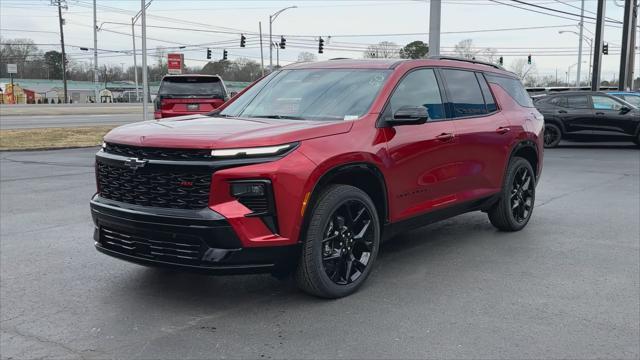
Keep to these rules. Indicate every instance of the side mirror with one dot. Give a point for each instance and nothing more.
(624, 109)
(409, 115)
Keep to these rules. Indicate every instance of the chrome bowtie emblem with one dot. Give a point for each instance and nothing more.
(135, 163)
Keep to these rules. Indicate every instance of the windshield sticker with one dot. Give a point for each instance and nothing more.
(350, 117)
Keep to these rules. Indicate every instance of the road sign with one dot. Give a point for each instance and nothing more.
(12, 68)
(175, 63)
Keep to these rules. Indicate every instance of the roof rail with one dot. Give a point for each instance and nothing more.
(340, 58)
(438, 57)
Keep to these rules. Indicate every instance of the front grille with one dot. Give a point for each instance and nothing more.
(181, 249)
(171, 189)
(158, 153)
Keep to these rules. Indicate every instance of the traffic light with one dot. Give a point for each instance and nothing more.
(208, 54)
(605, 49)
(283, 42)
(243, 40)
(321, 46)
(529, 60)
(224, 54)
(501, 61)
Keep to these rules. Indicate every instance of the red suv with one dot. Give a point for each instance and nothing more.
(189, 94)
(311, 167)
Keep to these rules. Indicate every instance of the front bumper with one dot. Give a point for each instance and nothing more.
(192, 240)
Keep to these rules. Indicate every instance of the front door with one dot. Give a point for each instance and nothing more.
(609, 117)
(422, 169)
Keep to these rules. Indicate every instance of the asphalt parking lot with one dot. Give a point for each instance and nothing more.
(567, 286)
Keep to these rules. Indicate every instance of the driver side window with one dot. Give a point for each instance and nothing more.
(418, 88)
(605, 103)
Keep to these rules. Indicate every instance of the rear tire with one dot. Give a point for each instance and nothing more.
(552, 135)
(341, 243)
(513, 211)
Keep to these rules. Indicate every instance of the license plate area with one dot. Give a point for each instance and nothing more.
(193, 107)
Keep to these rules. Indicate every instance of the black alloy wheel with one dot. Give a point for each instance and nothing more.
(552, 135)
(347, 242)
(340, 243)
(522, 190)
(515, 206)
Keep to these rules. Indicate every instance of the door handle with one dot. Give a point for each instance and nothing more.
(503, 130)
(599, 113)
(562, 111)
(445, 137)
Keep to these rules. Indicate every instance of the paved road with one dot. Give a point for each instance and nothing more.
(565, 287)
(48, 121)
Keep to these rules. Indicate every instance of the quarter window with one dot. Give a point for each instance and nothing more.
(513, 87)
(418, 88)
(464, 94)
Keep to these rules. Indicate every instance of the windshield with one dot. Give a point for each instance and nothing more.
(191, 85)
(311, 94)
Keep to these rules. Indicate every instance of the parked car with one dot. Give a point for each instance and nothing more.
(588, 113)
(307, 170)
(632, 98)
(189, 94)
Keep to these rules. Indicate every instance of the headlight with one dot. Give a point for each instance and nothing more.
(254, 151)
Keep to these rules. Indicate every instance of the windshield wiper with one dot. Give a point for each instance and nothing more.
(285, 117)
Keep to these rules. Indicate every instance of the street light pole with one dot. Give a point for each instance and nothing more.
(272, 18)
(135, 61)
(580, 37)
(434, 27)
(590, 42)
(95, 53)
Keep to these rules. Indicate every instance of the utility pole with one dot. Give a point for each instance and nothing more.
(580, 40)
(95, 53)
(135, 62)
(261, 50)
(597, 46)
(145, 82)
(434, 27)
(277, 45)
(628, 46)
(64, 57)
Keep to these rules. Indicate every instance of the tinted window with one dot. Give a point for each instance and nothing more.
(191, 85)
(486, 92)
(311, 94)
(578, 102)
(633, 100)
(418, 88)
(605, 103)
(464, 94)
(559, 101)
(513, 87)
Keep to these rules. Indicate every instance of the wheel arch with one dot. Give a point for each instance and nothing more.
(363, 175)
(557, 122)
(528, 150)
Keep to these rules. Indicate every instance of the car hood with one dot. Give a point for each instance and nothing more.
(206, 132)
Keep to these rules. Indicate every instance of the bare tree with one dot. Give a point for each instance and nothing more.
(306, 56)
(464, 49)
(382, 50)
(527, 73)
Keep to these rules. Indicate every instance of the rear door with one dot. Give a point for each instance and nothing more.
(483, 134)
(609, 117)
(576, 113)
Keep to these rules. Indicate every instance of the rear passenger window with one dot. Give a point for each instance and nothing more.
(418, 88)
(486, 92)
(464, 94)
(578, 102)
(513, 87)
(559, 101)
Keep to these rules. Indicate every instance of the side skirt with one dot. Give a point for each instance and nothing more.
(392, 229)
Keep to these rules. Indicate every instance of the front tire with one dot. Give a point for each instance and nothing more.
(513, 211)
(552, 135)
(341, 243)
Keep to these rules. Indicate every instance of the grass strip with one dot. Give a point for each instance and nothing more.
(52, 138)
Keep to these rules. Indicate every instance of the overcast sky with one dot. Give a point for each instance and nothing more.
(347, 26)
